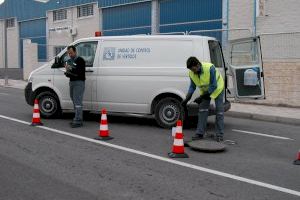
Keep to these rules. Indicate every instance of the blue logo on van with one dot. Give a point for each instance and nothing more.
(109, 53)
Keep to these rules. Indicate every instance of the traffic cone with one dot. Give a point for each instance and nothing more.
(178, 145)
(36, 119)
(297, 161)
(103, 131)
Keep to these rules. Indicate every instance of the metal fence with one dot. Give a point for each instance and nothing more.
(280, 45)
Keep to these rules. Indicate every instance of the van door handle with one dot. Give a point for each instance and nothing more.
(89, 70)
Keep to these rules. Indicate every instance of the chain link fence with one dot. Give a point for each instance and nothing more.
(277, 46)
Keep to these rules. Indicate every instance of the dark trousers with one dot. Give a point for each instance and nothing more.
(203, 115)
(76, 94)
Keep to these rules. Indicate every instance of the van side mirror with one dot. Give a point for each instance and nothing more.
(56, 60)
(56, 63)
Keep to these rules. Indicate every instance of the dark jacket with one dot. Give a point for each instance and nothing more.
(77, 70)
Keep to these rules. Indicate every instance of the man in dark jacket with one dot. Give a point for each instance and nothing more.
(75, 70)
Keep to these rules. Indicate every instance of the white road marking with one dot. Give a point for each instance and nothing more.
(5, 94)
(168, 160)
(262, 134)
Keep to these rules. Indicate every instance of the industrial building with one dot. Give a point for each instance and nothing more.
(56, 23)
(53, 24)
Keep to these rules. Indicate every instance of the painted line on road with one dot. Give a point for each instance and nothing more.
(262, 134)
(168, 160)
(5, 94)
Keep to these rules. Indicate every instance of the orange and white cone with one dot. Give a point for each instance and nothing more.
(103, 130)
(178, 145)
(36, 118)
(297, 161)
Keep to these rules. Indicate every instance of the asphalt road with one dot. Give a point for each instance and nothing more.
(36, 163)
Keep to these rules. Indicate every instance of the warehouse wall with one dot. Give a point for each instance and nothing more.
(240, 16)
(127, 20)
(279, 16)
(13, 49)
(195, 15)
(277, 24)
(85, 27)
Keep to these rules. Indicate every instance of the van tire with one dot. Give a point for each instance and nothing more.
(168, 111)
(49, 105)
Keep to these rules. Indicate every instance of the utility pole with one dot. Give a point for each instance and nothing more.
(155, 15)
(5, 43)
(5, 53)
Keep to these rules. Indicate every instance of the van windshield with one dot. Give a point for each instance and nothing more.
(216, 55)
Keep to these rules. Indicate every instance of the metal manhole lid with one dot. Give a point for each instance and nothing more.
(206, 145)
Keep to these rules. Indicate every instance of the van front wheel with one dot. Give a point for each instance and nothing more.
(168, 111)
(49, 105)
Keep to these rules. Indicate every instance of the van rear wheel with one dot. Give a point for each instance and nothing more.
(49, 105)
(168, 111)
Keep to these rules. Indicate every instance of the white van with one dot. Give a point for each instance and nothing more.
(143, 75)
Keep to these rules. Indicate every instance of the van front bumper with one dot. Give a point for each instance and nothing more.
(29, 94)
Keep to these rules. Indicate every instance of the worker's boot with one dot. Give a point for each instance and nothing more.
(197, 137)
(219, 138)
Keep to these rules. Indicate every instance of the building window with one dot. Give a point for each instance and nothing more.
(58, 49)
(10, 23)
(86, 10)
(59, 15)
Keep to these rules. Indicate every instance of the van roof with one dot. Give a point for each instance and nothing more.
(141, 37)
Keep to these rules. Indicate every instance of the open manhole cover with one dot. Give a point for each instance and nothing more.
(206, 145)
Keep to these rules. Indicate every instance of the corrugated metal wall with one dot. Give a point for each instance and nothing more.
(120, 17)
(29, 9)
(127, 20)
(36, 31)
(183, 15)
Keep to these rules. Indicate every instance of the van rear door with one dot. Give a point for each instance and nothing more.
(246, 69)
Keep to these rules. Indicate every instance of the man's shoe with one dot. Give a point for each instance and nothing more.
(219, 138)
(73, 125)
(197, 137)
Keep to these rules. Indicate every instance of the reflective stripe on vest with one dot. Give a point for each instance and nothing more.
(203, 81)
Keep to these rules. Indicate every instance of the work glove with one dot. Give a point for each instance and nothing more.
(198, 100)
(186, 100)
(206, 96)
(184, 103)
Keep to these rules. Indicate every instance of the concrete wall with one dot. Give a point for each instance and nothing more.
(280, 16)
(240, 16)
(13, 47)
(30, 58)
(277, 25)
(85, 27)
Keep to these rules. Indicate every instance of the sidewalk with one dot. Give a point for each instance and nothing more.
(249, 111)
(19, 84)
(265, 113)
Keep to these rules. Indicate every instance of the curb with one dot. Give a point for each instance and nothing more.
(13, 86)
(267, 118)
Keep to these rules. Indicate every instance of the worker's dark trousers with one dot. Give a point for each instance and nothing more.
(76, 94)
(203, 115)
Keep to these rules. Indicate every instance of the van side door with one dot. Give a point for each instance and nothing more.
(246, 69)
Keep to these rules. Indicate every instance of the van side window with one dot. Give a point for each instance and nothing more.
(244, 53)
(216, 54)
(87, 51)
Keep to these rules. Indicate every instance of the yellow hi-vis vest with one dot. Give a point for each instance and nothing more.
(203, 81)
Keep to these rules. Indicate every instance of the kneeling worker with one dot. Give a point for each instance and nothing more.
(211, 85)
